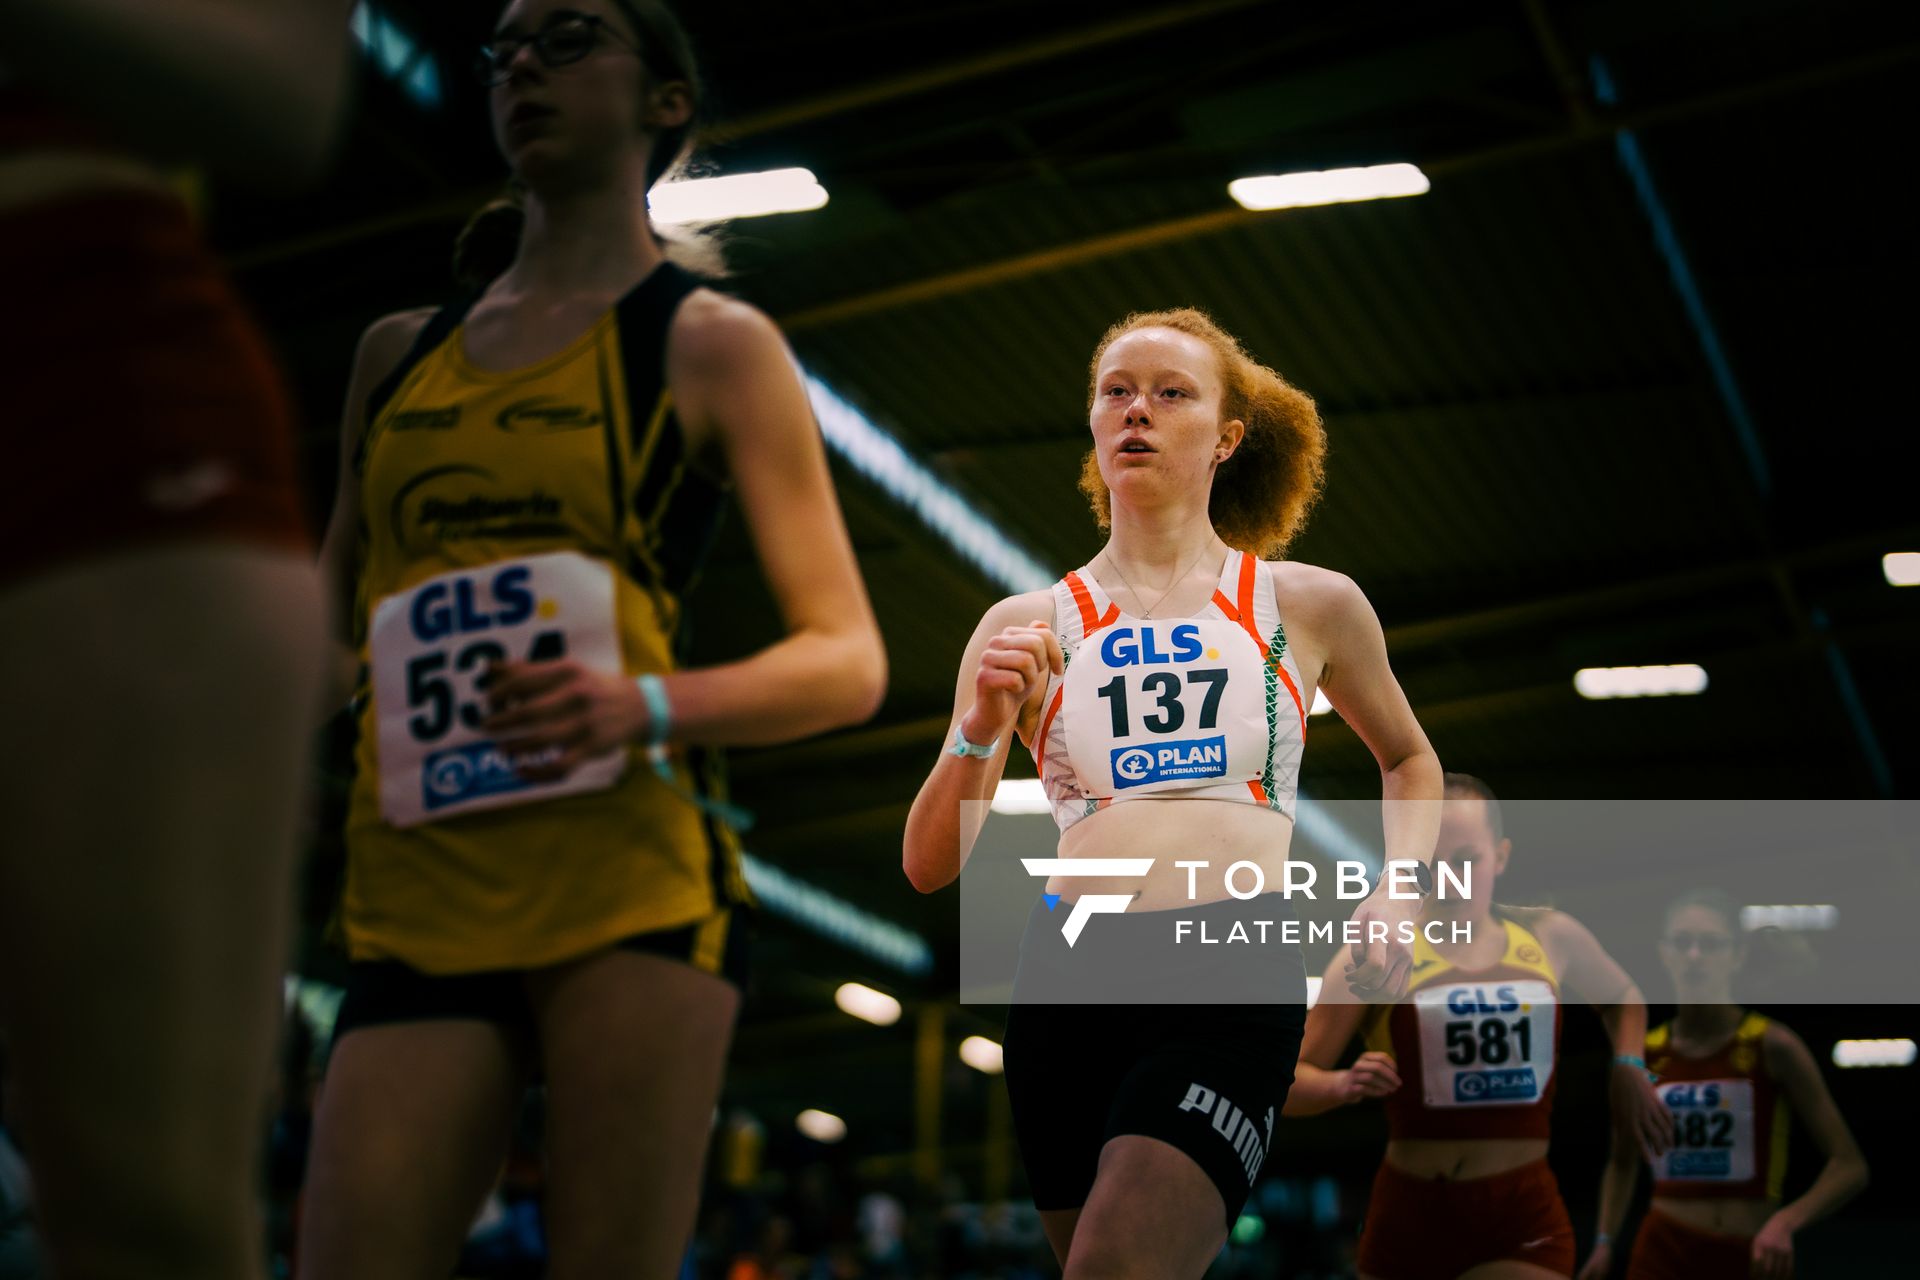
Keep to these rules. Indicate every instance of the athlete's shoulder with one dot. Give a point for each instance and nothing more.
(1544, 929)
(1019, 611)
(383, 346)
(387, 339)
(1545, 923)
(1781, 1047)
(1322, 599)
(715, 334)
(1310, 582)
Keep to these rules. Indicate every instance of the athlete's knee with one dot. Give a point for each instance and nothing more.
(1093, 1258)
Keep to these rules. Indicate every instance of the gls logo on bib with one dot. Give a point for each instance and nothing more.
(430, 647)
(1122, 648)
(1188, 759)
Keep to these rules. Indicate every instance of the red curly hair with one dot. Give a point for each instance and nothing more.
(1263, 492)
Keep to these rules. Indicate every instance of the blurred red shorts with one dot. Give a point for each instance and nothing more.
(1432, 1229)
(138, 404)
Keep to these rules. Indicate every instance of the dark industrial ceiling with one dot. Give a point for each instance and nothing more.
(1535, 464)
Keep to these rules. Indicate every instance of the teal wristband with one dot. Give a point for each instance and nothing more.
(659, 727)
(659, 711)
(961, 747)
(1601, 1239)
(1628, 1059)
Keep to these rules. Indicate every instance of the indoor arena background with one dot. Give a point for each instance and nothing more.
(1623, 387)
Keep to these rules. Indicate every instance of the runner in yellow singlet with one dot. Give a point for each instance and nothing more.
(540, 874)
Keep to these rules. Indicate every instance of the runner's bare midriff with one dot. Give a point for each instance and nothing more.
(1457, 1159)
(1218, 832)
(41, 176)
(1725, 1217)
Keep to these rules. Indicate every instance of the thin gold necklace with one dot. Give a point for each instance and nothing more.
(1178, 579)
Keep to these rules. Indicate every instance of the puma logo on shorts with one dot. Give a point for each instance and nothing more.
(1234, 1125)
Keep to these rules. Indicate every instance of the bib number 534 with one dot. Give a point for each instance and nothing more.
(431, 646)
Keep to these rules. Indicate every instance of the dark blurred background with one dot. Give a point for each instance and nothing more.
(1623, 388)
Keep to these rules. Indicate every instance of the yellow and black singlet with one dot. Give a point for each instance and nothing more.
(547, 512)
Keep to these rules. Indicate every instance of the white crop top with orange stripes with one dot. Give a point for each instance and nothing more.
(1206, 707)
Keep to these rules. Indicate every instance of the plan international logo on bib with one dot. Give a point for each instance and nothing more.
(477, 769)
(1513, 1085)
(1191, 758)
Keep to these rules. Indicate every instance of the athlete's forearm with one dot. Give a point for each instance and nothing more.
(807, 683)
(1410, 794)
(1844, 1177)
(946, 819)
(1626, 1023)
(1616, 1189)
(1315, 1090)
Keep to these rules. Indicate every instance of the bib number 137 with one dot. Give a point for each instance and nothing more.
(1168, 713)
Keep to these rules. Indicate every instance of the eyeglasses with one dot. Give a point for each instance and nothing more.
(566, 40)
(1708, 944)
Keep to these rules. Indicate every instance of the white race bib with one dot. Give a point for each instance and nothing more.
(1712, 1131)
(432, 642)
(1157, 706)
(1485, 1044)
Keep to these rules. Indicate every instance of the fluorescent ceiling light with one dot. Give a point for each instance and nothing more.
(736, 195)
(1873, 1053)
(1902, 568)
(1315, 823)
(813, 908)
(1799, 917)
(1640, 682)
(877, 1007)
(1328, 186)
(881, 459)
(1320, 705)
(1021, 795)
(821, 1126)
(981, 1054)
(398, 55)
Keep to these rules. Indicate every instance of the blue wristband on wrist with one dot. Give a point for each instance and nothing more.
(659, 711)
(961, 747)
(1628, 1059)
(659, 727)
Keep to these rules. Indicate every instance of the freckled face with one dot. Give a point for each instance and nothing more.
(1156, 414)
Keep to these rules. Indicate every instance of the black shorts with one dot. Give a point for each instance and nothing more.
(1206, 1078)
(386, 991)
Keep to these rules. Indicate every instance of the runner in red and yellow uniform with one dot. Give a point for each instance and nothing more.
(1466, 1066)
(1733, 1079)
